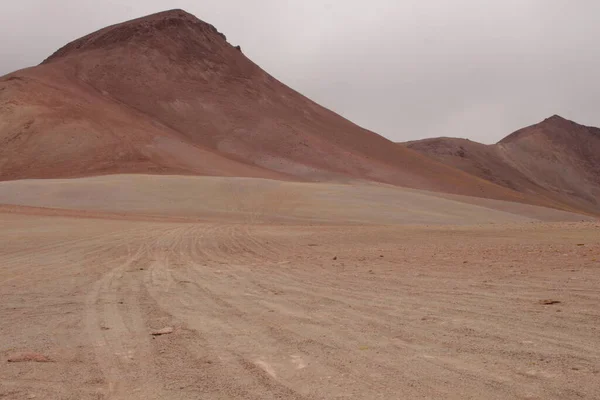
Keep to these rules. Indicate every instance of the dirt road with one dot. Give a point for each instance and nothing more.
(269, 311)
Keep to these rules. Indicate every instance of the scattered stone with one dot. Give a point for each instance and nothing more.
(28, 357)
(549, 302)
(164, 331)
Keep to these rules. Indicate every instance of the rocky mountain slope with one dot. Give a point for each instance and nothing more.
(557, 160)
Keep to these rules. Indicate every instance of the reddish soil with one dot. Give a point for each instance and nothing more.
(556, 160)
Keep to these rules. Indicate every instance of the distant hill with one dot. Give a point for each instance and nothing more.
(557, 160)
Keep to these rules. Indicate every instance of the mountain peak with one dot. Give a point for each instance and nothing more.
(175, 24)
(557, 120)
(551, 126)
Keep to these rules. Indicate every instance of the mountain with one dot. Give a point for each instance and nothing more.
(167, 94)
(557, 160)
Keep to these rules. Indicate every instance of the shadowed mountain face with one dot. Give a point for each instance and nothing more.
(168, 94)
(557, 160)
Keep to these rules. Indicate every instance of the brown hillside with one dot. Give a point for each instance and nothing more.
(168, 94)
(557, 160)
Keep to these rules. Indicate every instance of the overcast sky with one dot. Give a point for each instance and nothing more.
(406, 69)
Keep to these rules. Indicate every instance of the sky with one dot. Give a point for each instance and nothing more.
(406, 69)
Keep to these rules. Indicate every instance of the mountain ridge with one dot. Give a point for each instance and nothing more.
(134, 29)
(556, 158)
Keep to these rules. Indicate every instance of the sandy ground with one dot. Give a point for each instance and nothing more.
(297, 309)
(264, 200)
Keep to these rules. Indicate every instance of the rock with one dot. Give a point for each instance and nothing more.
(28, 357)
(164, 331)
(549, 302)
(334, 258)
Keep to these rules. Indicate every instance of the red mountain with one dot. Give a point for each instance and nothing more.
(168, 94)
(557, 160)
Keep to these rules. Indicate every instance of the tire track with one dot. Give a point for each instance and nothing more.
(116, 326)
(190, 299)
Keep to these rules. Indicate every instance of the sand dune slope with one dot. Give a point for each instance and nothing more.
(262, 200)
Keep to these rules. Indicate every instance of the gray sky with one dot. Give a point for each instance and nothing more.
(406, 69)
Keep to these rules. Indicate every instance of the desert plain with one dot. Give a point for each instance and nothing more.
(277, 290)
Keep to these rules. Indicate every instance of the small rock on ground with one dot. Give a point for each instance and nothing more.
(28, 357)
(163, 331)
(549, 302)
